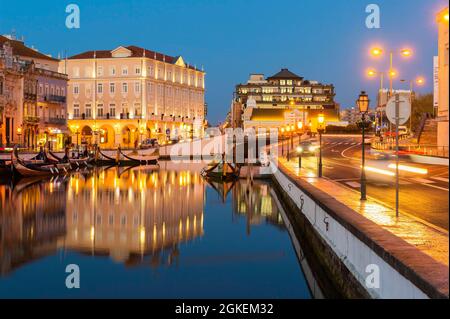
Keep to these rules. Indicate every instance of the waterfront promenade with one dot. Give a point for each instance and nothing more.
(428, 239)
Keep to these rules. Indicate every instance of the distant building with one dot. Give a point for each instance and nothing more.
(281, 99)
(350, 115)
(442, 114)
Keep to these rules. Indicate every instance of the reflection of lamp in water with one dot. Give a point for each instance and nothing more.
(142, 235)
(92, 233)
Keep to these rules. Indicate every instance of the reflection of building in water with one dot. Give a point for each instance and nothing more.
(134, 214)
(30, 223)
(256, 203)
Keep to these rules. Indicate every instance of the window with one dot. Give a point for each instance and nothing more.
(137, 87)
(446, 54)
(88, 110)
(63, 92)
(57, 91)
(289, 82)
(100, 110)
(112, 110)
(137, 109)
(112, 88)
(124, 70)
(76, 89)
(76, 110)
(112, 70)
(52, 90)
(1, 87)
(282, 82)
(41, 89)
(100, 88)
(137, 70)
(100, 71)
(124, 88)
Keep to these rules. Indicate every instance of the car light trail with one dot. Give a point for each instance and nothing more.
(379, 171)
(411, 169)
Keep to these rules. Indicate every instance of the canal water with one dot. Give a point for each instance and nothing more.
(144, 233)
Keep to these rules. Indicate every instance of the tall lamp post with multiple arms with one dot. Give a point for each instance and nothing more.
(378, 52)
(363, 106)
(320, 129)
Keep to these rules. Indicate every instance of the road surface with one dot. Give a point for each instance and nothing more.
(424, 196)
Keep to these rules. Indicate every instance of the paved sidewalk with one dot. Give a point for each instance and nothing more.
(431, 241)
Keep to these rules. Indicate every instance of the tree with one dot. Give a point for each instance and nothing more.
(421, 104)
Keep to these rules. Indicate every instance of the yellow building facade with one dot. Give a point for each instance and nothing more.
(123, 96)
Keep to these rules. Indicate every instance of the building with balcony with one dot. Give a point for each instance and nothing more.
(122, 96)
(11, 97)
(52, 107)
(281, 98)
(37, 111)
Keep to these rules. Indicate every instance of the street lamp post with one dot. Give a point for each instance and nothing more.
(363, 105)
(288, 129)
(299, 152)
(320, 129)
(19, 133)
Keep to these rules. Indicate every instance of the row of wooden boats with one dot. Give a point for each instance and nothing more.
(47, 162)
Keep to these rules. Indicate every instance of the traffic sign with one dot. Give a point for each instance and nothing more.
(404, 109)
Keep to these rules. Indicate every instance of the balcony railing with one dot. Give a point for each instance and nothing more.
(55, 98)
(30, 96)
(31, 119)
(55, 120)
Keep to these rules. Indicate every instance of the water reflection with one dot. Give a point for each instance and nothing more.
(135, 217)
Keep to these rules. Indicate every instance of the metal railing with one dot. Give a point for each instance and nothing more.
(405, 146)
(55, 120)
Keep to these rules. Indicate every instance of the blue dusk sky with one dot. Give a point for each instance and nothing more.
(323, 40)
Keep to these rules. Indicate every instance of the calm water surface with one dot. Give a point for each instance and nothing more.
(139, 233)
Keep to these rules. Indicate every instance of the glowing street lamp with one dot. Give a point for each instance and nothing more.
(376, 52)
(363, 106)
(404, 52)
(19, 133)
(320, 129)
